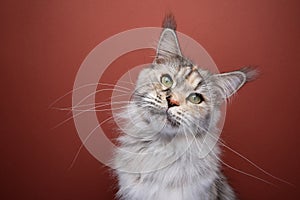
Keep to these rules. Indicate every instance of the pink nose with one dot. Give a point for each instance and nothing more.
(173, 102)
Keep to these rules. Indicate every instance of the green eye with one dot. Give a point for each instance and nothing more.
(195, 98)
(166, 80)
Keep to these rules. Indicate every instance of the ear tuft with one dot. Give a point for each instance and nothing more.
(251, 73)
(169, 22)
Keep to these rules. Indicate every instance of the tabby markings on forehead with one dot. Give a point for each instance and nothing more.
(183, 71)
(199, 84)
(194, 77)
(192, 69)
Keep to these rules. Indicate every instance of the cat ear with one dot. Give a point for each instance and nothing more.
(168, 45)
(230, 82)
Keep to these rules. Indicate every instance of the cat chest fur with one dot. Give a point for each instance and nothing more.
(165, 172)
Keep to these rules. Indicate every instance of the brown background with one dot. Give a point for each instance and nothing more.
(43, 44)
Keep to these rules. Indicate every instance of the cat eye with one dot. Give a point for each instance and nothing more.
(195, 98)
(166, 80)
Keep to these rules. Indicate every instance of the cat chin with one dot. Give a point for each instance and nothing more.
(169, 129)
(165, 125)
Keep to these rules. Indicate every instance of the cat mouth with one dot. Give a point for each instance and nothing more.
(170, 118)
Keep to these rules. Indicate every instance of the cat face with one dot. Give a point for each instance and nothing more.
(175, 93)
(178, 96)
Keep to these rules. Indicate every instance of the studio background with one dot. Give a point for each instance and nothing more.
(45, 42)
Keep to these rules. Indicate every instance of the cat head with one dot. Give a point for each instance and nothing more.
(178, 96)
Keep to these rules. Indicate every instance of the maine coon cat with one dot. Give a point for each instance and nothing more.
(174, 107)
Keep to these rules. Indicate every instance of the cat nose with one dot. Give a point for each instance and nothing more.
(172, 101)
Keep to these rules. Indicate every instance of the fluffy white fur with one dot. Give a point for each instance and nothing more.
(170, 152)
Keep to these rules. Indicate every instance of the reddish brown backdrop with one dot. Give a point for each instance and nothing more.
(44, 43)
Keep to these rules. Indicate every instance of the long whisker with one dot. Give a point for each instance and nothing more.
(190, 142)
(95, 110)
(92, 104)
(255, 165)
(237, 170)
(130, 77)
(95, 92)
(249, 161)
(204, 130)
(98, 106)
(84, 142)
(77, 114)
(252, 163)
(118, 96)
(83, 86)
(128, 82)
(195, 139)
(245, 173)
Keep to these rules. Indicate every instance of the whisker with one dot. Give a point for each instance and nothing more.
(248, 160)
(130, 77)
(238, 170)
(255, 165)
(128, 82)
(73, 116)
(195, 139)
(95, 92)
(83, 86)
(99, 105)
(84, 142)
(245, 173)
(93, 110)
(118, 96)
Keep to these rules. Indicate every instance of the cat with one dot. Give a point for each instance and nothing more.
(174, 107)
